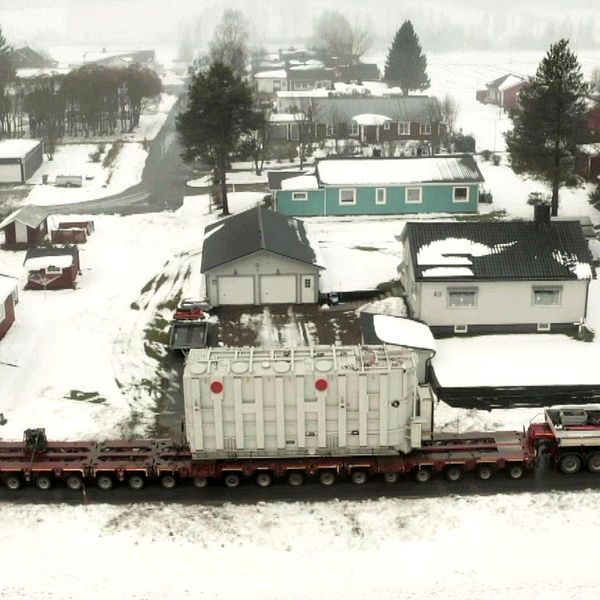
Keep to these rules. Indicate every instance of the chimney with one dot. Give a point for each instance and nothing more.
(541, 213)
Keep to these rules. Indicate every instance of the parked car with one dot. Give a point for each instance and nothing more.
(68, 181)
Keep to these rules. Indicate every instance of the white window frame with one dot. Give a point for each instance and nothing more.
(307, 283)
(419, 201)
(53, 269)
(425, 129)
(461, 187)
(387, 125)
(330, 130)
(557, 290)
(403, 127)
(299, 196)
(276, 85)
(543, 326)
(345, 202)
(461, 329)
(383, 200)
(293, 127)
(354, 128)
(462, 290)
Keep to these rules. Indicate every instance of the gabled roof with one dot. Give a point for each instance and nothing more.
(490, 250)
(30, 215)
(254, 230)
(303, 72)
(505, 81)
(28, 57)
(276, 177)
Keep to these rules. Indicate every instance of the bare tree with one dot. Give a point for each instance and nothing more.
(595, 80)
(449, 109)
(340, 39)
(229, 44)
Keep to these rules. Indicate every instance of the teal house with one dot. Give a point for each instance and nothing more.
(379, 186)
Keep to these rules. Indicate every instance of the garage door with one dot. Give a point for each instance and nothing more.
(10, 173)
(236, 290)
(278, 289)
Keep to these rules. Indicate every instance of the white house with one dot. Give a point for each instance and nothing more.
(19, 159)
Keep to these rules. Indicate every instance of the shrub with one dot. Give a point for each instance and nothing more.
(486, 154)
(496, 158)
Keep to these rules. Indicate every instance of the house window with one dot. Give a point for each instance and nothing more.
(425, 129)
(307, 283)
(460, 194)
(386, 125)
(348, 196)
(276, 85)
(461, 329)
(330, 130)
(543, 326)
(354, 128)
(53, 269)
(299, 196)
(403, 128)
(414, 195)
(293, 131)
(546, 296)
(462, 297)
(380, 196)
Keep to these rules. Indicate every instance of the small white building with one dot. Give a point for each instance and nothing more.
(271, 82)
(19, 159)
(497, 276)
(259, 257)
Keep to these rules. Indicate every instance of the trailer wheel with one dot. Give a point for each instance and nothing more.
(264, 479)
(327, 478)
(515, 471)
(570, 464)
(104, 482)
(232, 480)
(13, 483)
(593, 463)
(484, 472)
(74, 482)
(43, 482)
(422, 475)
(359, 477)
(136, 482)
(453, 473)
(391, 477)
(200, 482)
(295, 478)
(168, 481)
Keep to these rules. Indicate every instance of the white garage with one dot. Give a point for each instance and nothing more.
(19, 159)
(259, 257)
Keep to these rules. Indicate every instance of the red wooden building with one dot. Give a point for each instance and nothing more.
(52, 268)
(25, 228)
(8, 299)
(592, 121)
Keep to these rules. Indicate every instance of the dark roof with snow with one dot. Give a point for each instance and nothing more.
(276, 177)
(360, 72)
(467, 251)
(254, 230)
(29, 215)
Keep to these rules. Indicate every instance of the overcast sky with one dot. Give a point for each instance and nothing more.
(441, 24)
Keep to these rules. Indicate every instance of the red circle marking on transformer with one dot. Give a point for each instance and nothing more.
(216, 387)
(321, 385)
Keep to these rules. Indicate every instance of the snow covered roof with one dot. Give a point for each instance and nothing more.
(317, 92)
(62, 261)
(398, 171)
(7, 286)
(510, 82)
(30, 215)
(286, 117)
(17, 148)
(301, 183)
(277, 74)
(371, 119)
(498, 250)
(396, 330)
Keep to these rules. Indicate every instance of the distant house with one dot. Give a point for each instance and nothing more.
(52, 268)
(27, 227)
(8, 299)
(19, 159)
(503, 91)
(271, 82)
(497, 276)
(381, 186)
(587, 161)
(259, 257)
(358, 72)
(294, 77)
(27, 58)
(592, 120)
(142, 58)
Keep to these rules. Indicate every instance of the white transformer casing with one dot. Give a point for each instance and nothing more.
(314, 401)
(575, 425)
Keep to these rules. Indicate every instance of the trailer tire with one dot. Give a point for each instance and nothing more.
(74, 482)
(13, 482)
(295, 478)
(422, 475)
(104, 482)
(515, 471)
(327, 478)
(391, 477)
(200, 482)
(570, 464)
(593, 463)
(43, 482)
(453, 473)
(484, 472)
(168, 481)
(359, 477)
(263, 479)
(232, 480)
(136, 482)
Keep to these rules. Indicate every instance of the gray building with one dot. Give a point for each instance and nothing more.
(259, 257)
(495, 277)
(19, 159)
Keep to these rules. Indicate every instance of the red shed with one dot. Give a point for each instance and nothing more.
(592, 122)
(8, 299)
(26, 227)
(52, 268)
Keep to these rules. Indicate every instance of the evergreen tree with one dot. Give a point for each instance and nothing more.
(7, 69)
(406, 65)
(549, 123)
(219, 113)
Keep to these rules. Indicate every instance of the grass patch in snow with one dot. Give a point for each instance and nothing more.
(93, 397)
(367, 248)
(156, 338)
(134, 306)
(172, 303)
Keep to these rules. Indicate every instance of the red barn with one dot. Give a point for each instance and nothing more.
(25, 228)
(52, 268)
(8, 299)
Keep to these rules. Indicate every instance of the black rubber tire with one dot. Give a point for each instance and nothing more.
(104, 482)
(570, 464)
(359, 477)
(200, 482)
(484, 472)
(327, 478)
(295, 478)
(43, 482)
(13, 482)
(263, 479)
(391, 477)
(515, 471)
(453, 473)
(232, 480)
(422, 475)
(593, 463)
(168, 481)
(74, 482)
(136, 482)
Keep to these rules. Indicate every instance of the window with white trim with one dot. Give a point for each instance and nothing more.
(330, 130)
(386, 125)
(348, 196)
(276, 85)
(293, 132)
(299, 196)
(414, 195)
(460, 194)
(546, 296)
(403, 128)
(307, 282)
(53, 269)
(354, 128)
(462, 297)
(425, 129)
(380, 196)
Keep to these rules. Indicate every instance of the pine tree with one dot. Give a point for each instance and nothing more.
(406, 65)
(549, 123)
(7, 70)
(219, 113)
